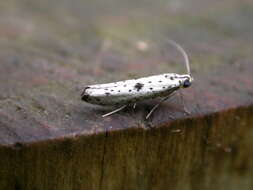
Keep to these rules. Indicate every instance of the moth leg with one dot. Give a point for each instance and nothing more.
(156, 106)
(153, 109)
(183, 102)
(114, 111)
(134, 106)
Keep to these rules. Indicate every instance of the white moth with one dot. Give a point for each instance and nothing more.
(131, 91)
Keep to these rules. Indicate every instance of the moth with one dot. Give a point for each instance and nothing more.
(124, 93)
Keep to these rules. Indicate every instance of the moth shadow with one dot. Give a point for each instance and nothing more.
(142, 108)
(165, 107)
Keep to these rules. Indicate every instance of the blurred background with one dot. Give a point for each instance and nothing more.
(100, 36)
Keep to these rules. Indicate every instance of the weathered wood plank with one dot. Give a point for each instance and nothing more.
(50, 139)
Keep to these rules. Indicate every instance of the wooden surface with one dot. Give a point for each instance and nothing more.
(50, 139)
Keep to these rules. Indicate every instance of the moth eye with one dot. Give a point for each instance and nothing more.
(187, 83)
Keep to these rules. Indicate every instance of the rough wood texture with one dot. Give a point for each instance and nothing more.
(49, 139)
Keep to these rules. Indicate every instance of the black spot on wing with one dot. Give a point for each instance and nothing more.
(97, 99)
(138, 86)
(107, 93)
(84, 95)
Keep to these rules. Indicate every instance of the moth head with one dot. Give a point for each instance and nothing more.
(185, 81)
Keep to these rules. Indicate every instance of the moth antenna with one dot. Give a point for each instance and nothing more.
(186, 58)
